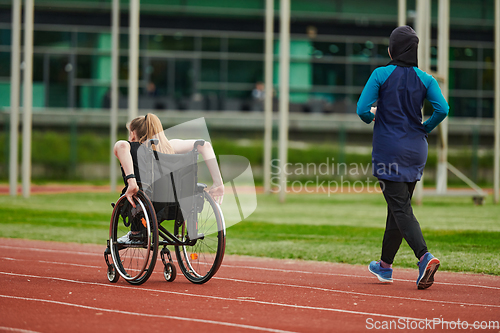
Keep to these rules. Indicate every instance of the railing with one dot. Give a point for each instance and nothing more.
(239, 120)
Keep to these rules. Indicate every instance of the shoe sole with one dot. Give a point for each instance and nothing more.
(381, 279)
(428, 279)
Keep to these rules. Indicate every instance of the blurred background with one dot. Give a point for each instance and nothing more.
(206, 59)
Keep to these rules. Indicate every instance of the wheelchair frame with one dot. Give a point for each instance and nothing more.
(137, 266)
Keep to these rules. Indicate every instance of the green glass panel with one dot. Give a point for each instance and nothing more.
(210, 70)
(210, 44)
(247, 4)
(329, 74)
(361, 73)
(364, 51)
(5, 37)
(464, 54)
(91, 96)
(55, 39)
(488, 55)
(4, 95)
(84, 66)
(329, 49)
(240, 71)
(472, 9)
(5, 64)
(245, 45)
(465, 78)
(38, 95)
(488, 79)
(178, 42)
(87, 39)
(158, 74)
(380, 7)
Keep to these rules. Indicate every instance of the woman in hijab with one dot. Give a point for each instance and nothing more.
(400, 147)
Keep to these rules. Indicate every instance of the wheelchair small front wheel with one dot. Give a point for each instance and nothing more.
(113, 275)
(169, 272)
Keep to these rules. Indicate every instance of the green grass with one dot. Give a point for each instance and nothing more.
(69, 217)
(58, 152)
(344, 228)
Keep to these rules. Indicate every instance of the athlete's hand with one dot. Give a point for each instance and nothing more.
(132, 190)
(374, 111)
(217, 193)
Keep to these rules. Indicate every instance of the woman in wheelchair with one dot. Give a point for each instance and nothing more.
(144, 128)
(136, 233)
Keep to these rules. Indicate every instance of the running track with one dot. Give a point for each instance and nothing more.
(57, 287)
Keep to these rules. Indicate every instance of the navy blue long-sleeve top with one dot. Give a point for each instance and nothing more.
(399, 137)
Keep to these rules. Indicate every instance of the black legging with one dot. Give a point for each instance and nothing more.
(401, 223)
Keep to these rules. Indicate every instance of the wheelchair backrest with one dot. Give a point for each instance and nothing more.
(174, 176)
(169, 178)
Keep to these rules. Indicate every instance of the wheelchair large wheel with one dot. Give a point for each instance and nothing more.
(201, 261)
(134, 239)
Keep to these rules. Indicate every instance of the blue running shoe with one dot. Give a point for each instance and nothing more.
(426, 270)
(383, 274)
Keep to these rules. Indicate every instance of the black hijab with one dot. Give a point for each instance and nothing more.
(403, 45)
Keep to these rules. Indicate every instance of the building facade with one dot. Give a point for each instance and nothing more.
(209, 55)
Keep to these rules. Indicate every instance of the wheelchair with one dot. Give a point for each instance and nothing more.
(173, 197)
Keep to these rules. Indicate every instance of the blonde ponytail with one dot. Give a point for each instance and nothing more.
(149, 127)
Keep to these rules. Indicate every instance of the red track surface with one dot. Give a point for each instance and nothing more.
(57, 188)
(57, 287)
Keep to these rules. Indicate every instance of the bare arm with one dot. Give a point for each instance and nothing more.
(122, 152)
(208, 154)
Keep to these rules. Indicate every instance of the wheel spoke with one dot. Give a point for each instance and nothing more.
(133, 258)
(201, 261)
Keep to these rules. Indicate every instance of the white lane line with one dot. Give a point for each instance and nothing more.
(352, 275)
(12, 329)
(276, 269)
(184, 294)
(307, 287)
(356, 293)
(75, 265)
(52, 250)
(142, 314)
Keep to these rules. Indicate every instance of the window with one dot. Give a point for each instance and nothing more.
(38, 67)
(58, 81)
(488, 79)
(177, 42)
(87, 40)
(84, 66)
(464, 78)
(159, 75)
(5, 37)
(329, 49)
(4, 64)
(361, 73)
(364, 51)
(329, 74)
(210, 70)
(488, 55)
(211, 44)
(55, 39)
(243, 45)
(464, 107)
(245, 71)
(463, 54)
